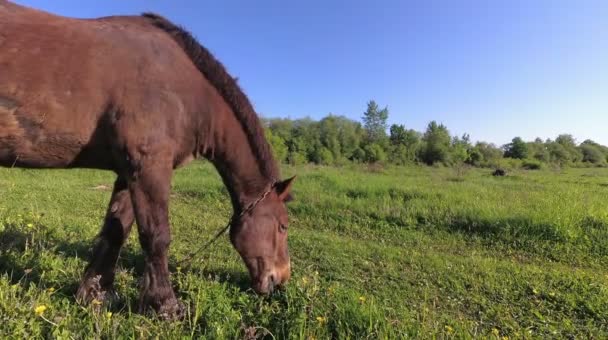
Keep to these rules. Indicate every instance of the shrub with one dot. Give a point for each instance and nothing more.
(297, 158)
(323, 156)
(374, 153)
(531, 164)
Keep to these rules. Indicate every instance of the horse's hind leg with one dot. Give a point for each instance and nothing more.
(99, 275)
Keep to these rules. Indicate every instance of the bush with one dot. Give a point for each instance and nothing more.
(531, 164)
(358, 155)
(296, 158)
(592, 154)
(374, 153)
(323, 156)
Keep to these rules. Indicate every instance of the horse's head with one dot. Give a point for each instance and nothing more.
(260, 237)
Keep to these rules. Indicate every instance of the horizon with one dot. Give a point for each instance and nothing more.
(493, 70)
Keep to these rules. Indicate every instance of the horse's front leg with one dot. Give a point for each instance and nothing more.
(99, 276)
(149, 186)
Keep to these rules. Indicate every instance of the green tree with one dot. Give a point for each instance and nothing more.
(490, 153)
(323, 156)
(436, 145)
(592, 154)
(398, 134)
(329, 134)
(460, 149)
(279, 149)
(516, 149)
(350, 135)
(404, 144)
(558, 153)
(475, 157)
(374, 121)
(603, 149)
(281, 127)
(305, 138)
(374, 153)
(538, 150)
(569, 144)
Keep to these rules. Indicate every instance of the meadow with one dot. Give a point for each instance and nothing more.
(395, 252)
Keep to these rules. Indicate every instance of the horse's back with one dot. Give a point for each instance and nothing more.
(61, 77)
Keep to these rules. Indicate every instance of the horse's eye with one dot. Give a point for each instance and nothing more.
(282, 228)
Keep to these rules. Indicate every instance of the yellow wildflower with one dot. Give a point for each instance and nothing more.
(321, 319)
(39, 310)
(495, 331)
(30, 225)
(449, 329)
(362, 299)
(96, 302)
(50, 290)
(109, 315)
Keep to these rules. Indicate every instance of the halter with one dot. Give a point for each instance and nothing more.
(189, 260)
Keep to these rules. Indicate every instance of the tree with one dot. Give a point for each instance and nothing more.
(305, 138)
(282, 127)
(374, 121)
(323, 156)
(404, 144)
(475, 157)
(397, 134)
(538, 150)
(592, 154)
(566, 140)
(516, 149)
(490, 154)
(350, 135)
(436, 144)
(603, 149)
(328, 128)
(569, 144)
(277, 144)
(337, 139)
(558, 153)
(460, 149)
(374, 153)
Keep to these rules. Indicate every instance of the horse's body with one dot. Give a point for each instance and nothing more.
(65, 83)
(139, 96)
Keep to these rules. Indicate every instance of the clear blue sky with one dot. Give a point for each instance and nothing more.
(495, 69)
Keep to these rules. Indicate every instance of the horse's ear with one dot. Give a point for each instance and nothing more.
(283, 188)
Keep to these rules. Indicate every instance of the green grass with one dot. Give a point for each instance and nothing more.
(402, 252)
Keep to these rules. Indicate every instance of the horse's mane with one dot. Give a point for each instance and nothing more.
(228, 88)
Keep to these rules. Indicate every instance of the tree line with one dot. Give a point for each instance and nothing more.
(338, 140)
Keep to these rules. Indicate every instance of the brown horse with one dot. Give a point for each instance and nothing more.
(139, 96)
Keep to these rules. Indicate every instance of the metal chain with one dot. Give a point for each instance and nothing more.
(190, 259)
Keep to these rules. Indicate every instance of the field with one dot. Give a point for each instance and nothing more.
(396, 252)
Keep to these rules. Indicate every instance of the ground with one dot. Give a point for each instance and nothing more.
(376, 253)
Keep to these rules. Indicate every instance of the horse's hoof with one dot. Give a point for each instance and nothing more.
(92, 293)
(171, 310)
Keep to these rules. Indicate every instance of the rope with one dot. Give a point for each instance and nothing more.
(187, 262)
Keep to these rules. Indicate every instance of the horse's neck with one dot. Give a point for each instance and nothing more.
(237, 164)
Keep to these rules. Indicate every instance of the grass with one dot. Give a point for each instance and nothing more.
(400, 252)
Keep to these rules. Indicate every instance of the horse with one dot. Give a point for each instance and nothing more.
(139, 96)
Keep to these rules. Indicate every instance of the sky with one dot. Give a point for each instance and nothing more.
(494, 69)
